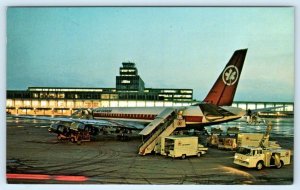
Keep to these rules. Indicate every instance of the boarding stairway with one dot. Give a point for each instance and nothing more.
(162, 126)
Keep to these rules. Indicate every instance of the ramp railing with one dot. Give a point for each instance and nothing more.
(164, 128)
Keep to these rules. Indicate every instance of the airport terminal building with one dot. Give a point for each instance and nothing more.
(130, 91)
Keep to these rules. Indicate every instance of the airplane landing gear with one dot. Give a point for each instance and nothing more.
(123, 136)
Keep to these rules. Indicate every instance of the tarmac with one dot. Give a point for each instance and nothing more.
(36, 157)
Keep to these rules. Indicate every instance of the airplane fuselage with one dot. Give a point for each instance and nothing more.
(195, 116)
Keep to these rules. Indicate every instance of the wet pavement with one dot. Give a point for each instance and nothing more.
(38, 157)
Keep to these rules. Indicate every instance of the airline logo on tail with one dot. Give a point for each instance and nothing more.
(230, 75)
(223, 91)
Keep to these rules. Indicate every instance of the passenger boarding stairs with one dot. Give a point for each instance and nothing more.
(162, 126)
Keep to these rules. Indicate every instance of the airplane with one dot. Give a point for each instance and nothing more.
(214, 109)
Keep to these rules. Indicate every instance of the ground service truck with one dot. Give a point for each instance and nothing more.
(262, 156)
(181, 146)
(257, 157)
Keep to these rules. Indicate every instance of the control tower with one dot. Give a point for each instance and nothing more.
(129, 80)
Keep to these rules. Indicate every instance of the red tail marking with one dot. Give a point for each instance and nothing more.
(223, 91)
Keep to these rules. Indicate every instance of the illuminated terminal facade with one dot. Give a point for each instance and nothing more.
(130, 91)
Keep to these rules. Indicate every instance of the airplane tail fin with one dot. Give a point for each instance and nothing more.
(223, 91)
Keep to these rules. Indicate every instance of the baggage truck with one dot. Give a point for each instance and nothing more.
(227, 142)
(181, 146)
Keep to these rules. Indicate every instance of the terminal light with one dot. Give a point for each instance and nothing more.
(125, 81)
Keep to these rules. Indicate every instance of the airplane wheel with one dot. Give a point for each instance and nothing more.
(183, 156)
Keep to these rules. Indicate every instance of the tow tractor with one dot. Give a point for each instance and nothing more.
(228, 142)
(262, 156)
(75, 132)
(213, 139)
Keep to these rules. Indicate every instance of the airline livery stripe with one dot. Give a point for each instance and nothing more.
(142, 116)
(126, 116)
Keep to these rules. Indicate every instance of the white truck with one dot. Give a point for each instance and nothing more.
(262, 156)
(258, 157)
(181, 146)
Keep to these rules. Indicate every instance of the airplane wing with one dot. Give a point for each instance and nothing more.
(268, 109)
(127, 124)
(96, 123)
(252, 115)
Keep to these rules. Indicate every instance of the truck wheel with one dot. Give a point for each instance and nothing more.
(259, 165)
(59, 138)
(198, 154)
(280, 164)
(183, 156)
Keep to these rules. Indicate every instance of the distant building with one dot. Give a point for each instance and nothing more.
(130, 91)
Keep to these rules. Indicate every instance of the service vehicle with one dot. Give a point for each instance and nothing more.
(181, 146)
(72, 131)
(258, 157)
(213, 139)
(227, 143)
(262, 155)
